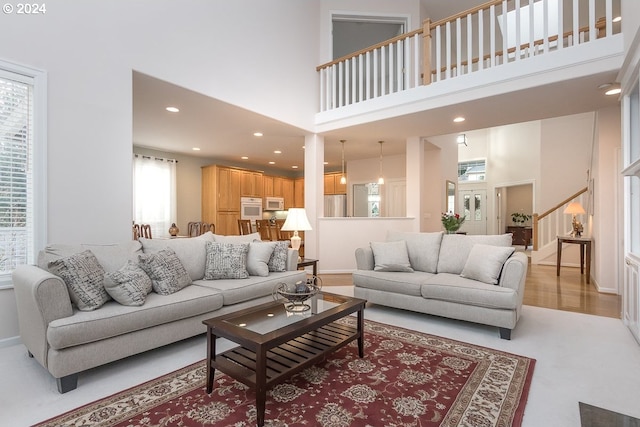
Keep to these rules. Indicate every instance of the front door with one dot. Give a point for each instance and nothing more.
(473, 204)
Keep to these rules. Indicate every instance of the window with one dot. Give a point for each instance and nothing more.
(473, 170)
(22, 167)
(154, 193)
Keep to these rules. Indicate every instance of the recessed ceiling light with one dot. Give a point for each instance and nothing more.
(277, 152)
(272, 163)
(617, 19)
(257, 134)
(172, 109)
(326, 163)
(244, 158)
(613, 91)
(459, 119)
(294, 167)
(196, 148)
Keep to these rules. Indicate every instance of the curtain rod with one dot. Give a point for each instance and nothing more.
(155, 158)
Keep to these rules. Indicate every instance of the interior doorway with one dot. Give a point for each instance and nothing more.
(352, 33)
(512, 199)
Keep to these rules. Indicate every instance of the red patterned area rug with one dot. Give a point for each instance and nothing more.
(406, 378)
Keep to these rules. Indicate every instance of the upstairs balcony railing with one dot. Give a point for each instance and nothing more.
(493, 34)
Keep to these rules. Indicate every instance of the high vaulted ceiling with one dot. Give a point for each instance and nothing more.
(224, 132)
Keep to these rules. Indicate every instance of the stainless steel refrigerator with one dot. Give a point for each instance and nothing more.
(335, 205)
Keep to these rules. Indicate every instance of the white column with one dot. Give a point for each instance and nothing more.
(415, 176)
(313, 190)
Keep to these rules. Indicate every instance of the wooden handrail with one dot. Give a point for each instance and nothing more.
(537, 218)
(471, 11)
(562, 203)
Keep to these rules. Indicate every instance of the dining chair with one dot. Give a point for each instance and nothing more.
(197, 228)
(136, 231)
(281, 234)
(263, 226)
(244, 226)
(145, 231)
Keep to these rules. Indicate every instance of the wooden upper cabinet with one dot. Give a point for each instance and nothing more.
(288, 193)
(298, 193)
(252, 185)
(277, 186)
(332, 184)
(267, 185)
(228, 189)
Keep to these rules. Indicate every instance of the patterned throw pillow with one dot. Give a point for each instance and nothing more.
(84, 277)
(129, 285)
(165, 270)
(278, 260)
(226, 261)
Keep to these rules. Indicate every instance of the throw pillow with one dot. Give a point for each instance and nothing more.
(485, 262)
(391, 256)
(165, 270)
(129, 286)
(258, 258)
(278, 260)
(84, 277)
(423, 248)
(226, 261)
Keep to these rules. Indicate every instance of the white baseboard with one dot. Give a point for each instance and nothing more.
(8, 342)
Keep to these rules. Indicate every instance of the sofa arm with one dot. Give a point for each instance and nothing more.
(364, 259)
(292, 259)
(41, 297)
(514, 273)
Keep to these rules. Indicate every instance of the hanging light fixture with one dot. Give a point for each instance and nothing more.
(381, 178)
(343, 178)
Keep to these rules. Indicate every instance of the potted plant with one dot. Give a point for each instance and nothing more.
(452, 222)
(519, 219)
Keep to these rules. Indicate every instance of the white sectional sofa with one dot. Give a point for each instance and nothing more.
(67, 340)
(473, 278)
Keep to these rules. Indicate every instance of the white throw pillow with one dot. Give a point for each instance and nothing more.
(391, 256)
(423, 248)
(485, 263)
(258, 258)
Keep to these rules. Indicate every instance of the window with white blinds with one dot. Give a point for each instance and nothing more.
(16, 171)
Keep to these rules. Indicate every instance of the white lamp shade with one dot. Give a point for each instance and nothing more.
(574, 208)
(296, 220)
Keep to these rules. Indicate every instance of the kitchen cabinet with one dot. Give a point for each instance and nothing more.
(288, 193)
(251, 184)
(298, 193)
(267, 186)
(221, 194)
(332, 184)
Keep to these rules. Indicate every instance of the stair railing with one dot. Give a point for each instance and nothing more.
(553, 222)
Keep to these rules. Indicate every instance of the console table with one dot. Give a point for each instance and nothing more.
(585, 243)
(521, 235)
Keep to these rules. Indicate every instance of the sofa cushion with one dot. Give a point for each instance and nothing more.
(191, 252)
(454, 288)
(235, 291)
(391, 256)
(455, 249)
(423, 248)
(246, 238)
(165, 270)
(114, 319)
(406, 284)
(110, 257)
(258, 258)
(226, 261)
(129, 286)
(485, 262)
(84, 277)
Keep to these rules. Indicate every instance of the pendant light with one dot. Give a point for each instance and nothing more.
(381, 177)
(343, 178)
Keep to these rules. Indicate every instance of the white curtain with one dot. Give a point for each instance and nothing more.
(154, 193)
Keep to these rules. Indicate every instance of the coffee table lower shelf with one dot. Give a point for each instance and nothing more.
(286, 359)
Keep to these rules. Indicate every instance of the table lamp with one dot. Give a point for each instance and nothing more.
(296, 221)
(575, 208)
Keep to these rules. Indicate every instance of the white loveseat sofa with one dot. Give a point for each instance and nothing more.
(67, 340)
(473, 278)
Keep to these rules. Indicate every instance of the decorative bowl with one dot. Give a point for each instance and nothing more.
(296, 294)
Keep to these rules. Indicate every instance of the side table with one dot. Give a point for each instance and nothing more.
(585, 243)
(306, 262)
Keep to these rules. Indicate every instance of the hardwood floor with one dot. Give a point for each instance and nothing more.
(569, 292)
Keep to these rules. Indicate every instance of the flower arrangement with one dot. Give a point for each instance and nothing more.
(452, 221)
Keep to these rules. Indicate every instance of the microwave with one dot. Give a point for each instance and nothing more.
(274, 204)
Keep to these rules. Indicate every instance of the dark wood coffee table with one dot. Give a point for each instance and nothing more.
(275, 344)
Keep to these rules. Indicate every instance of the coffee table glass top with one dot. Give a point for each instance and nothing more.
(270, 317)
